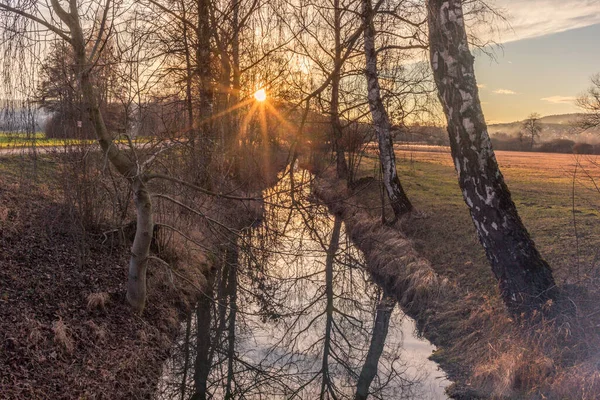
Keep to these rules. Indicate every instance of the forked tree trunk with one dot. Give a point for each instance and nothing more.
(136, 285)
(524, 278)
(380, 331)
(398, 199)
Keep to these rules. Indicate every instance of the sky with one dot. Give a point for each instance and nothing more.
(545, 61)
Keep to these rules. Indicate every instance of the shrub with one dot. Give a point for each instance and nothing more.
(583, 148)
(508, 143)
(557, 146)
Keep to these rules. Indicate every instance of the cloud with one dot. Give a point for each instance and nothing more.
(505, 91)
(559, 99)
(481, 85)
(529, 19)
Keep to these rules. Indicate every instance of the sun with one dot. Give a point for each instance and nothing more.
(260, 95)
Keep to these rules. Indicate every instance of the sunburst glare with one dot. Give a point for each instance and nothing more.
(260, 95)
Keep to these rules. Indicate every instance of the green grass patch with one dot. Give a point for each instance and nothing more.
(39, 139)
(10, 140)
(566, 236)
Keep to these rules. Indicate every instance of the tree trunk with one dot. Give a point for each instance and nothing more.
(140, 250)
(329, 262)
(203, 342)
(398, 199)
(380, 331)
(336, 125)
(232, 262)
(203, 63)
(206, 149)
(524, 278)
(235, 53)
(136, 285)
(188, 78)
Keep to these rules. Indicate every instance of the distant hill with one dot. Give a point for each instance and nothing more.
(561, 126)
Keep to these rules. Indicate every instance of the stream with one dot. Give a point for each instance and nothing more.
(294, 315)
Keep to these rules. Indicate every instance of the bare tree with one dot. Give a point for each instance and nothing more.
(398, 199)
(525, 278)
(84, 63)
(590, 104)
(87, 43)
(531, 129)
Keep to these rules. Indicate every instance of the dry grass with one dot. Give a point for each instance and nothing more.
(97, 301)
(390, 255)
(62, 336)
(99, 333)
(36, 334)
(443, 279)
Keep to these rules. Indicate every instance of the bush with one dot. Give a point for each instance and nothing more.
(584, 148)
(63, 124)
(509, 144)
(557, 146)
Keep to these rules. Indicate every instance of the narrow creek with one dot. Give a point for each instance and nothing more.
(295, 315)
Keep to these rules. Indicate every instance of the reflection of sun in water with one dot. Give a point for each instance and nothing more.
(260, 95)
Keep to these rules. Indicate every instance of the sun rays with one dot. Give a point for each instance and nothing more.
(260, 95)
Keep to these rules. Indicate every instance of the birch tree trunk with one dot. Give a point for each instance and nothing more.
(525, 279)
(136, 285)
(398, 199)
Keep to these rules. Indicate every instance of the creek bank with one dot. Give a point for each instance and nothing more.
(432, 300)
(66, 330)
(312, 299)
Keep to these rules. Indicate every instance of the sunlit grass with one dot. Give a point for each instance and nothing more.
(9, 140)
(19, 139)
(542, 188)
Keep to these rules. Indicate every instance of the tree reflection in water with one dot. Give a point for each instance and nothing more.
(293, 315)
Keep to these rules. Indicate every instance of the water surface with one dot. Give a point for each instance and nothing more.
(293, 314)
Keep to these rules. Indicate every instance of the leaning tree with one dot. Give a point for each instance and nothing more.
(525, 279)
(381, 121)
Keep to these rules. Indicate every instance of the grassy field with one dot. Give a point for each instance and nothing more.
(566, 232)
(481, 347)
(10, 140)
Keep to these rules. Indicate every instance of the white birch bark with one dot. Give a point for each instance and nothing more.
(398, 199)
(525, 279)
